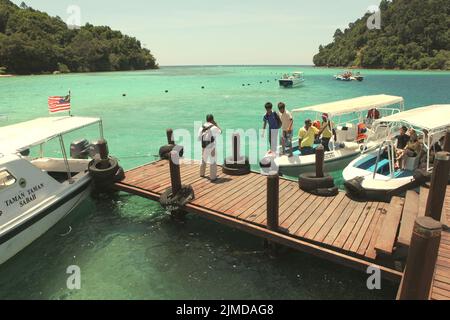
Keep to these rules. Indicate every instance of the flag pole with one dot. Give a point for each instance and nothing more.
(70, 100)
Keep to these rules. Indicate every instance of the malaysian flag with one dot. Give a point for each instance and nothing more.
(59, 104)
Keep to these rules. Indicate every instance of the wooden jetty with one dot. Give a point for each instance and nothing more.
(349, 232)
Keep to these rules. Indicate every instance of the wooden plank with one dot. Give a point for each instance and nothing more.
(291, 191)
(371, 253)
(349, 225)
(316, 215)
(340, 223)
(304, 216)
(386, 239)
(253, 210)
(423, 198)
(409, 216)
(364, 245)
(287, 212)
(442, 285)
(331, 222)
(220, 190)
(358, 225)
(365, 226)
(441, 292)
(317, 225)
(260, 214)
(240, 192)
(287, 223)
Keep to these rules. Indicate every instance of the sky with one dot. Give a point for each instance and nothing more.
(213, 32)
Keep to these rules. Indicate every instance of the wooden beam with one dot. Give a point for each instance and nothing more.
(386, 239)
(410, 213)
(423, 198)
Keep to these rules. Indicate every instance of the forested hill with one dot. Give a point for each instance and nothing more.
(414, 34)
(32, 42)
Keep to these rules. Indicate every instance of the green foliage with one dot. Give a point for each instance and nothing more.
(415, 34)
(62, 68)
(32, 42)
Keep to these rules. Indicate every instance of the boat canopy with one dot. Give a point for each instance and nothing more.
(22, 136)
(354, 105)
(432, 118)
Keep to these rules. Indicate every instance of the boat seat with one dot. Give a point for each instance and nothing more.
(381, 165)
(412, 163)
(341, 134)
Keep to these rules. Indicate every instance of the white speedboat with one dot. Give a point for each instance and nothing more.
(374, 173)
(349, 76)
(348, 117)
(291, 81)
(38, 191)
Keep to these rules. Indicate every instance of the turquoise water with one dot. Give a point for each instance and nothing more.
(127, 247)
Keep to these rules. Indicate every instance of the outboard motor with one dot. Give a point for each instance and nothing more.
(99, 149)
(79, 149)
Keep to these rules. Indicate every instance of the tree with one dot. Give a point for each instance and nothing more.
(33, 42)
(414, 34)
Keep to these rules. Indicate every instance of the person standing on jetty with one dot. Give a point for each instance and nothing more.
(274, 121)
(287, 124)
(208, 135)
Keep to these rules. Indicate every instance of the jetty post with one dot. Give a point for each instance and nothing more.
(438, 187)
(447, 141)
(273, 201)
(422, 258)
(236, 147)
(320, 158)
(175, 172)
(103, 151)
(170, 139)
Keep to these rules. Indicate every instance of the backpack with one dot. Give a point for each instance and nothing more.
(207, 137)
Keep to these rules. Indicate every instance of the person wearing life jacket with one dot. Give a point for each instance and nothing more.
(208, 135)
(362, 133)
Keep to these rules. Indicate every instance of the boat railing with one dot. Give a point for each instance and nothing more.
(391, 157)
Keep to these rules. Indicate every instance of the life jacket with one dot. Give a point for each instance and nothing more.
(362, 130)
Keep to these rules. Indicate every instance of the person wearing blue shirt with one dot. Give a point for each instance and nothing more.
(273, 120)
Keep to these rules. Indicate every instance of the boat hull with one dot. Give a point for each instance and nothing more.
(42, 220)
(369, 182)
(306, 164)
(291, 83)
